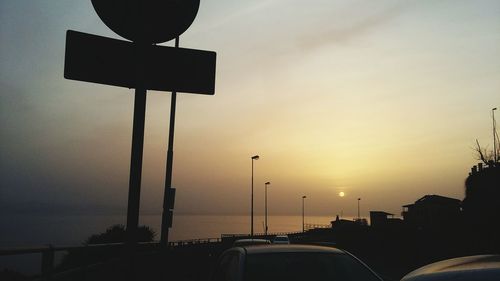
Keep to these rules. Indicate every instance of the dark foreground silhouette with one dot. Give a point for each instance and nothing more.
(434, 228)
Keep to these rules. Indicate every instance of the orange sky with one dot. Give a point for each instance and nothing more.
(381, 100)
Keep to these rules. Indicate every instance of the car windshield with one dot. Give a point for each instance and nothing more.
(305, 266)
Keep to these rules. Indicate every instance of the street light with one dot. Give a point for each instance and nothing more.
(359, 217)
(494, 136)
(266, 185)
(303, 224)
(255, 157)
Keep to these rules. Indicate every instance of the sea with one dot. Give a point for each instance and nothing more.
(21, 231)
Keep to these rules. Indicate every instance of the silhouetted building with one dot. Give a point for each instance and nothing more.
(432, 211)
(380, 219)
(342, 223)
(481, 206)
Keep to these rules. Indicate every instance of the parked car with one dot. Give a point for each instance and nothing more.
(248, 242)
(290, 263)
(471, 268)
(281, 239)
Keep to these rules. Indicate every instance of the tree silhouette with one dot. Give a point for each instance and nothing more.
(482, 154)
(90, 255)
(116, 234)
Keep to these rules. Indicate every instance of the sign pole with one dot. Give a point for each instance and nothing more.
(166, 221)
(134, 193)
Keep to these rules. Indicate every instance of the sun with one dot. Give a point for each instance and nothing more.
(341, 194)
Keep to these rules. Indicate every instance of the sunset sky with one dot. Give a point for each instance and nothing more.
(381, 100)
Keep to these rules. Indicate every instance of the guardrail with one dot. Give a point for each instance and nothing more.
(271, 234)
(258, 235)
(48, 253)
(47, 264)
(309, 226)
(194, 242)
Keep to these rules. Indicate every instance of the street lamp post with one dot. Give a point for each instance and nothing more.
(266, 185)
(303, 223)
(359, 217)
(256, 157)
(495, 159)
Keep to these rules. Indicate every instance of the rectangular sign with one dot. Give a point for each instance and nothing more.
(103, 60)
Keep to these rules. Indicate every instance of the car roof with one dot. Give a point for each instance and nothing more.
(283, 237)
(256, 249)
(480, 267)
(252, 240)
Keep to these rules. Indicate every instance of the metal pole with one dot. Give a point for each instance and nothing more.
(251, 207)
(359, 217)
(47, 263)
(303, 221)
(255, 157)
(265, 209)
(494, 137)
(134, 192)
(165, 223)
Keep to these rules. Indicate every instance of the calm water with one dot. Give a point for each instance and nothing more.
(28, 231)
(22, 230)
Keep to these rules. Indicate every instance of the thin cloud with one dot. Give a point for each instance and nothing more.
(237, 15)
(347, 33)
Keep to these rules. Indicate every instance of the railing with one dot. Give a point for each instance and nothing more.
(47, 264)
(48, 253)
(309, 226)
(230, 238)
(259, 235)
(194, 242)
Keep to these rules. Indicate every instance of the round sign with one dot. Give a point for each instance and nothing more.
(147, 21)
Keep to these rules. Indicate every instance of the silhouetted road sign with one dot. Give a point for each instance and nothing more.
(102, 60)
(148, 21)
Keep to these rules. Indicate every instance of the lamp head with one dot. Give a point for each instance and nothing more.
(494, 108)
(268, 183)
(304, 197)
(256, 157)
